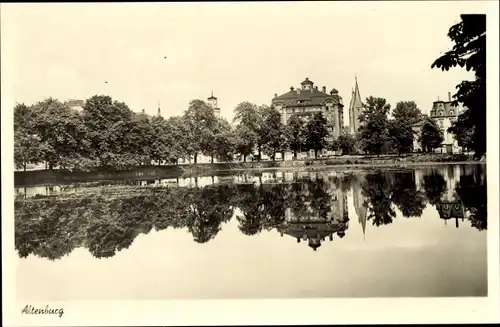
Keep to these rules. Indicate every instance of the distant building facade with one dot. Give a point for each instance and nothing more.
(444, 113)
(307, 100)
(76, 104)
(355, 109)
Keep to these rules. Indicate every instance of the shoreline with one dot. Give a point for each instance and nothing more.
(62, 177)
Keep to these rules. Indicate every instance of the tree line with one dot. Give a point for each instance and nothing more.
(108, 134)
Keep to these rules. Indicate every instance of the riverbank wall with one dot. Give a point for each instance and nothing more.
(48, 177)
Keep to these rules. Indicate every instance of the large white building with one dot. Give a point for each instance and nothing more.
(306, 100)
(444, 113)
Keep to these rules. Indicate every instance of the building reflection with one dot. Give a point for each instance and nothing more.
(315, 223)
(359, 202)
(449, 206)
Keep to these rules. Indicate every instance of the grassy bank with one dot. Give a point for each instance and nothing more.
(203, 169)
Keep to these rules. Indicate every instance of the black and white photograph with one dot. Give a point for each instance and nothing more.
(188, 152)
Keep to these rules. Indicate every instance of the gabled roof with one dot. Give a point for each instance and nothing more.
(315, 97)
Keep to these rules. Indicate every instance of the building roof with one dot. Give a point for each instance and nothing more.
(313, 97)
(306, 82)
(446, 107)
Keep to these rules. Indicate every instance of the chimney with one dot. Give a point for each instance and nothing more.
(449, 96)
(298, 90)
(324, 89)
(291, 88)
(316, 88)
(143, 111)
(275, 95)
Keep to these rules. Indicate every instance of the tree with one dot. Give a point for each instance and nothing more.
(469, 51)
(62, 133)
(431, 136)
(401, 135)
(248, 118)
(407, 111)
(463, 132)
(107, 123)
(245, 140)
(347, 143)
(201, 123)
(182, 146)
(374, 125)
(140, 138)
(163, 144)
(295, 134)
(26, 142)
(224, 143)
(272, 133)
(26, 149)
(263, 131)
(316, 133)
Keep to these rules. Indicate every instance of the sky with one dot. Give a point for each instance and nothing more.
(241, 51)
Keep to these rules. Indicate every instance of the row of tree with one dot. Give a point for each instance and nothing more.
(107, 134)
(378, 134)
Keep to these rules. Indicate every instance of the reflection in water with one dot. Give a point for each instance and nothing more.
(310, 207)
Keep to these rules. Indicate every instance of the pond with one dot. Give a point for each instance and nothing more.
(291, 234)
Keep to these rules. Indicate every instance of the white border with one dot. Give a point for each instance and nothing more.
(244, 312)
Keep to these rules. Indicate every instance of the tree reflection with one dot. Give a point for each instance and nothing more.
(435, 186)
(410, 201)
(209, 208)
(377, 189)
(471, 190)
(250, 202)
(309, 208)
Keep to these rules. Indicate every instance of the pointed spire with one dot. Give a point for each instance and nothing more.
(356, 90)
(159, 110)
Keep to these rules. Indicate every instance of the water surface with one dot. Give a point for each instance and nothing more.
(418, 232)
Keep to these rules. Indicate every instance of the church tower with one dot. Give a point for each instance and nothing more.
(213, 103)
(355, 108)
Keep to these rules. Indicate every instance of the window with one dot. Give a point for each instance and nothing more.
(441, 113)
(452, 113)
